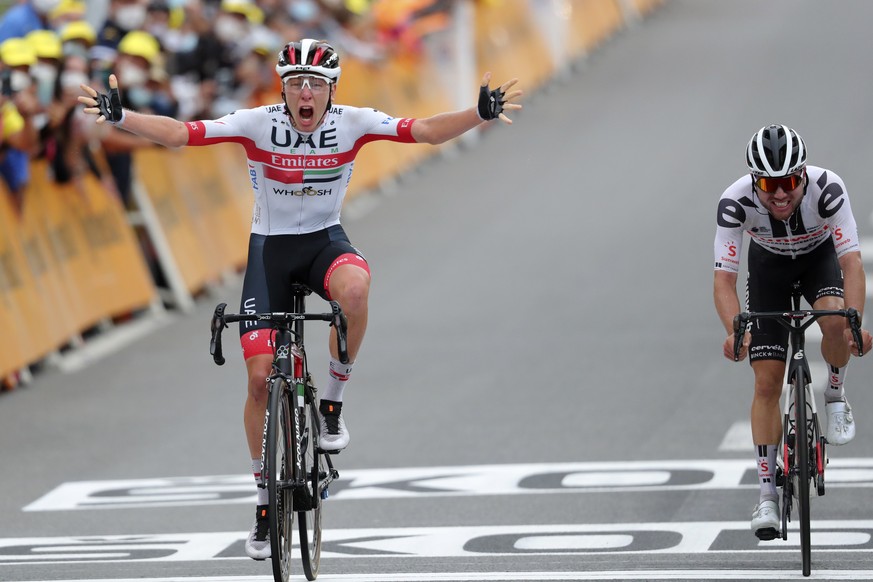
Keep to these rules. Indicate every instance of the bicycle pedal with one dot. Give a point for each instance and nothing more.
(765, 534)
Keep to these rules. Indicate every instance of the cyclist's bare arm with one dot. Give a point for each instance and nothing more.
(442, 127)
(159, 129)
(854, 293)
(727, 305)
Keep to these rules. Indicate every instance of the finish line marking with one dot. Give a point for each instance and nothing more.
(535, 576)
(465, 542)
(481, 480)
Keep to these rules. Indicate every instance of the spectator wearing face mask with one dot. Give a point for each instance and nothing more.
(124, 16)
(212, 63)
(19, 91)
(46, 45)
(66, 136)
(25, 17)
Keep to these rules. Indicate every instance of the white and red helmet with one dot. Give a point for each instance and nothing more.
(309, 56)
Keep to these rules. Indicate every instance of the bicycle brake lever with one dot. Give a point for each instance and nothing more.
(217, 326)
(855, 325)
(341, 324)
(741, 322)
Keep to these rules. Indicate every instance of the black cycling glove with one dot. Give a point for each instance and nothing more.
(110, 106)
(490, 102)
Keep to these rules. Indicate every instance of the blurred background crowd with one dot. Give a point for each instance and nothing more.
(189, 59)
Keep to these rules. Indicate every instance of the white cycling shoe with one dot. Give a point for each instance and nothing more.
(258, 542)
(841, 423)
(765, 520)
(334, 436)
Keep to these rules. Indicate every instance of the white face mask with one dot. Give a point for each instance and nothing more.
(132, 76)
(229, 29)
(303, 10)
(72, 79)
(45, 75)
(19, 81)
(130, 17)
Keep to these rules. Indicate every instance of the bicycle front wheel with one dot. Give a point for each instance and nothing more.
(279, 467)
(309, 521)
(802, 458)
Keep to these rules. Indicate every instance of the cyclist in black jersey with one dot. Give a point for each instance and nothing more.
(300, 157)
(802, 229)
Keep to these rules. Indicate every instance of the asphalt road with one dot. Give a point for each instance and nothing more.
(541, 394)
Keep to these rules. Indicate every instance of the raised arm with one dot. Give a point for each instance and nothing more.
(166, 131)
(442, 127)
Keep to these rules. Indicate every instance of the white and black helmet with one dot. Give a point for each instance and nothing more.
(775, 151)
(308, 56)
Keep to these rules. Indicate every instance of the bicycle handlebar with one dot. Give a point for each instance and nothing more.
(785, 318)
(220, 320)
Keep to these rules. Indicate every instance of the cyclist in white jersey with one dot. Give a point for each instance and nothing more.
(801, 228)
(300, 158)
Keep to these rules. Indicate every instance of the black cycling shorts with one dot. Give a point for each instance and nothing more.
(277, 261)
(768, 288)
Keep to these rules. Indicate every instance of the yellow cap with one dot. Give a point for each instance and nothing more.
(17, 52)
(79, 30)
(138, 43)
(45, 43)
(248, 9)
(357, 6)
(68, 8)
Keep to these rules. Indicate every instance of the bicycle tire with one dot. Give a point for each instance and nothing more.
(279, 467)
(787, 472)
(309, 521)
(802, 458)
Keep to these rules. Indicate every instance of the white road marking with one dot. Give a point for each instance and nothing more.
(533, 576)
(656, 538)
(480, 480)
(738, 437)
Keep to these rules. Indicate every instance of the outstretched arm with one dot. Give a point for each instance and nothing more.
(159, 129)
(442, 127)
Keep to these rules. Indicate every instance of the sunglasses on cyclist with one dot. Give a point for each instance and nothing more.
(787, 183)
(315, 84)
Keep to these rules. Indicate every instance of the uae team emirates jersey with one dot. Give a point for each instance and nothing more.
(299, 180)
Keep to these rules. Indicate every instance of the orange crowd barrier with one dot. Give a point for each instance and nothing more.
(188, 244)
(69, 260)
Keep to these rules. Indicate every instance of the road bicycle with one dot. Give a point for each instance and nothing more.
(295, 471)
(804, 454)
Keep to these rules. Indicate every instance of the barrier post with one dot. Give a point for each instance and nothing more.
(180, 296)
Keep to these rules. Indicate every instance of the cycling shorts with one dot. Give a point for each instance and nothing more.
(277, 261)
(768, 288)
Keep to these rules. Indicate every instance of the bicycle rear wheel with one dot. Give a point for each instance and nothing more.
(279, 467)
(309, 521)
(802, 458)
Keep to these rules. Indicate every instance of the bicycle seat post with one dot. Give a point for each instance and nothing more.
(298, 302)
(796, 294)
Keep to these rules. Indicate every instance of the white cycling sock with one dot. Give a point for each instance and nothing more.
(337, 379)
(767, 471)
(263, 496)
(835, 390)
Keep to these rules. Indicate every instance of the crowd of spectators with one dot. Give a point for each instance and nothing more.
(190, 59)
